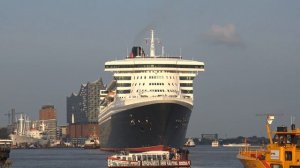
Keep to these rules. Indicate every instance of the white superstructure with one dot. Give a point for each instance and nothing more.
(141, 79)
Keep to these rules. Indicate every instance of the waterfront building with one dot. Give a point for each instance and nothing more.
(78, 133)
(94, 99)
(77, 106)
(47, 116)
(83, 108)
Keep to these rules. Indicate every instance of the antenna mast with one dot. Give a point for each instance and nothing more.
(152, 44)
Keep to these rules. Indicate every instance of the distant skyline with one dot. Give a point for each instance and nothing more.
(250, 50)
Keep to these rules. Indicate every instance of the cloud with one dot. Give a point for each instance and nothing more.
(226, 35)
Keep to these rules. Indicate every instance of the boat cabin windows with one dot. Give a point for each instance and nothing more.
(288, 155)
(146, 157)
(276, 166)
(297, 142)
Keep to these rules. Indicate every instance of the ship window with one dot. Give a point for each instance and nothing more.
(144, 157)
(186, 78)
(158, 157)
(139, 157)
(186, 85)
(276, 166)
(164, 157)
(298, 142)
(288, 155)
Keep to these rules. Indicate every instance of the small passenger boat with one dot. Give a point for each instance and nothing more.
(190, 143)
(215, 143)
(161, 159)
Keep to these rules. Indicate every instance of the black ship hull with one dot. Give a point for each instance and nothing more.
(144, 127)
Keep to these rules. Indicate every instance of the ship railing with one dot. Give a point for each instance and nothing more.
(253, 152)
(120, 103)
(154, 97)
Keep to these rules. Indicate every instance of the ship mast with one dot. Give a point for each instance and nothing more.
(270, 119)
(152, 44)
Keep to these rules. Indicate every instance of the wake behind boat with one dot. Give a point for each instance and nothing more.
(237, 145)
(149, 102)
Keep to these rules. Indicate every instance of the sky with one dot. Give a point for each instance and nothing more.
(250, 50)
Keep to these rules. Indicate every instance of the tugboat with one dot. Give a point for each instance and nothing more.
(282, 152)
(156, 159)
(92, 142)
(190, 143)
(215, 143)
(5, 145)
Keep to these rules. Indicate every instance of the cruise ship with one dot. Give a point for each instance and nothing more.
(147, 105)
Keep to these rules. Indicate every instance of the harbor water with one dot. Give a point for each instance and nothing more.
(201, 157)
